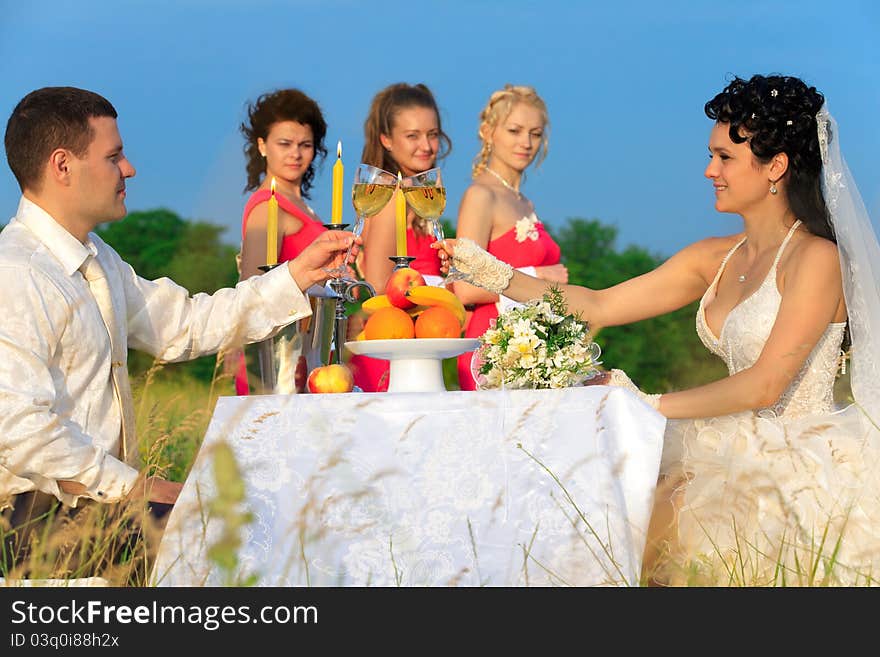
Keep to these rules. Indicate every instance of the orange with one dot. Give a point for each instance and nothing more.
(437, 322)
(390, 323)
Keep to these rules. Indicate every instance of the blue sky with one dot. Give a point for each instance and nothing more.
(624, 82)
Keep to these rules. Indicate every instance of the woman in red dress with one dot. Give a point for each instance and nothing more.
(402, 133)
(495, 214)
(283, 134)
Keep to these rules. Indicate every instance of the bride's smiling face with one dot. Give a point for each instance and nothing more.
(741, 182)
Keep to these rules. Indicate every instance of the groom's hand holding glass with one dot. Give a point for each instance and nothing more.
(333, 250)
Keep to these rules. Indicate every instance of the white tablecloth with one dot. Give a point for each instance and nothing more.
(509, 488)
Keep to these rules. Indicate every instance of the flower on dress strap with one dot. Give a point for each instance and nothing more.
(527, 228)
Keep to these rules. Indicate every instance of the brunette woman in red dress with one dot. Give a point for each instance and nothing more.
(402, 133)
(283, 135)
(495, 214)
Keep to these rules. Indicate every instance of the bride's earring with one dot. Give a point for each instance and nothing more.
(773, 189)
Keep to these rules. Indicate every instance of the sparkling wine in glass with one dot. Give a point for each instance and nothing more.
(426, 195)
(371, 191)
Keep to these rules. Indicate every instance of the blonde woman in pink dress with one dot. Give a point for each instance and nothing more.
(494, 212)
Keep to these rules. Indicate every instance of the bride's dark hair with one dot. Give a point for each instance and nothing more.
(777, 114)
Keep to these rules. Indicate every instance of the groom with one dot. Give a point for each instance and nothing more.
(72, 307)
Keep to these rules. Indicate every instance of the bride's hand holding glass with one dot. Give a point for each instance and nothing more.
(426, 195)
(445, 251)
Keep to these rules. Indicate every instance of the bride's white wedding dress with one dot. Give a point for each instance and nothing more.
(787, 494)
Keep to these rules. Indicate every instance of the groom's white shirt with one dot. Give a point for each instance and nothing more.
(59, 418)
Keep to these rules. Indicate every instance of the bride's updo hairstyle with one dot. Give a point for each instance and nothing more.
(777, 114)
(497, 110)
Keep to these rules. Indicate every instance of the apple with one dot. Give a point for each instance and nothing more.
(331, 378)
(398, 285)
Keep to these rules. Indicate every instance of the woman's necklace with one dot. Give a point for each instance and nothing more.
(742, 277)
(505, 183)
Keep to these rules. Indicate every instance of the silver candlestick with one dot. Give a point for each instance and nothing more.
(401, 261)
(344, 292)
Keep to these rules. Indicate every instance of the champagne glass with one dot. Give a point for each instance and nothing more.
(426, 195)
(371, 191)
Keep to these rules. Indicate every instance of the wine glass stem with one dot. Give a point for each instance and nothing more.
(437, 229)
(356, 231)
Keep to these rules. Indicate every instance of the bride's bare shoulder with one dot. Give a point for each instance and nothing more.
(815, 252)
(713, 248)
(705, 256)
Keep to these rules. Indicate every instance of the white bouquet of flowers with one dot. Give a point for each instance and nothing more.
(538, 345)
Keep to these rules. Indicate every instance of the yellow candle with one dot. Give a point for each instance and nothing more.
(272, 229)
(336, 206)
(400, 217)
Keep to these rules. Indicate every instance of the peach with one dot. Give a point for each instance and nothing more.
(331, 378)
(399, 283)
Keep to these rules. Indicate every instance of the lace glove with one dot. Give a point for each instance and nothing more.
(619, 378)
(481, 268)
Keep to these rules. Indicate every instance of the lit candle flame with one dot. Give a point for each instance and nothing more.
(273, 185)
(339, 149)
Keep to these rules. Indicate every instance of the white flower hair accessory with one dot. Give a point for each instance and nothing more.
(526, 228)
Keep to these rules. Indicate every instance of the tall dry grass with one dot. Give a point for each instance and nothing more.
(117, 542)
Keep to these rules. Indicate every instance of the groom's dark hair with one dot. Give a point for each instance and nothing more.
(46, 119)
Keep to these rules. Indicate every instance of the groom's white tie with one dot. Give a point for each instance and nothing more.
(97, 279)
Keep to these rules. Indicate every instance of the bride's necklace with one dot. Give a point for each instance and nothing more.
(742, 277)
(505, 183)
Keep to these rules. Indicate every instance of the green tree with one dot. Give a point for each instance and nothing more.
(660, 354)
(146, 240)
(206, 264)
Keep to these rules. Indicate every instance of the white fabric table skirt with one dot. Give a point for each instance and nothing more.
(497, 488)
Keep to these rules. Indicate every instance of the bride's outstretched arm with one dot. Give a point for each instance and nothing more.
(812, 298)
(677, 282)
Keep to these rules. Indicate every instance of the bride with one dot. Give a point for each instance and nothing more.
(762, 481)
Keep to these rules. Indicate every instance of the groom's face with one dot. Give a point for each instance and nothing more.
(99, 176)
